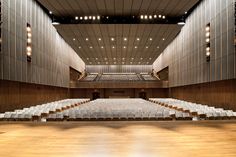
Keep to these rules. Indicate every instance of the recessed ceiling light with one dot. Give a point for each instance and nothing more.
(74, 39)
(141, 58)
(113, 47)
(125, 39)
(150, 58)
(79, 47)
(150, 16)
(81, 18)
(114, 58)
(132, 58)
(99, 39)
(90, 17)
(163, 17)
(105, 59)
(124, 47)
(102, 47)
(141, 16)
(146, 47)
(87, 58)
(158, 47)
(136, 47)
(107, 17)
(155, 16)
(186, 12)
(86, 39)
(96, 58)
(85, 17)
(131, 62)
(159, 16)
(112, 39)
(137, 39)
(50, 12)
(123, 58)
(94, 17)
(163, 39)
(145, 17)
(76, 18)
(150, 39)
(90, 47)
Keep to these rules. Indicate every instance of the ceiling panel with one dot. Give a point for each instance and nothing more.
(105, 51)
(118, 7)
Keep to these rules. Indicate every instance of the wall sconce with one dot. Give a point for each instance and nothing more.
(208, 45)
(29, 43)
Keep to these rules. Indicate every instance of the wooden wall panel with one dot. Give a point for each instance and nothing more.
(15, 95)
(129, 92)
(51, 55)
(219, 93)
(186, 55)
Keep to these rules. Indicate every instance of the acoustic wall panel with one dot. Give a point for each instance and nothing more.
(186, 55)
(51, 55)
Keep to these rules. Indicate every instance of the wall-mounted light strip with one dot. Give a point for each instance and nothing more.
(208, 40)
(29, 43)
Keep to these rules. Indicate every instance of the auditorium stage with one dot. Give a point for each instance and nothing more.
(118, 139)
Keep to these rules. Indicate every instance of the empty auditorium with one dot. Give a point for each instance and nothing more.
(117, 78)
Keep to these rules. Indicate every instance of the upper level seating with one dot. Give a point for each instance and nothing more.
(90, 77)
(39, 111)
(199, 110)
(119, 77)
(119, 109)
(148, 77)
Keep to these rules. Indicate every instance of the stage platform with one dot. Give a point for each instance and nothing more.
(118, 139)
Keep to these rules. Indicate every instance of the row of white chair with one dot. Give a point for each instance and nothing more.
(39, 111)
(119, 109)
(197, 110)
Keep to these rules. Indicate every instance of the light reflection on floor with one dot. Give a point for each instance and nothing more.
(118, 139)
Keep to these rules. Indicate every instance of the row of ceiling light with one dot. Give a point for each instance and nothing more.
(116, 63)
(122, 59)
(124, 47)
(113, 39)
(150, 17)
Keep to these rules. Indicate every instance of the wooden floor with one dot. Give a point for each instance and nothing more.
(118, 139)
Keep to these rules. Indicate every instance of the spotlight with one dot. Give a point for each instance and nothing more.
(207, 28)
(208, 54)
(155, 16)
(137, 39)
(150, 39)
(159, 16)
(76, 18)
(207, 40)
(208, 49)
(150, 16)
(125, 39)
(50, 12)
(29, 40)
(86, 18)
(141, 16)
(163, 17)
(145, 17)
(112, 39)
(81, 18)
(98, 17)
(90, 17)
(208, 34)
(29, 49)
(94, 17)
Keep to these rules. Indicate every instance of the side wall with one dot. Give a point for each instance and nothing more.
(219, 94)
(51, 55)
(186, 55)
(16, 95)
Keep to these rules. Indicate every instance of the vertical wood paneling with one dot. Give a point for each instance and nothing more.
(185, 56)
(51, 55)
